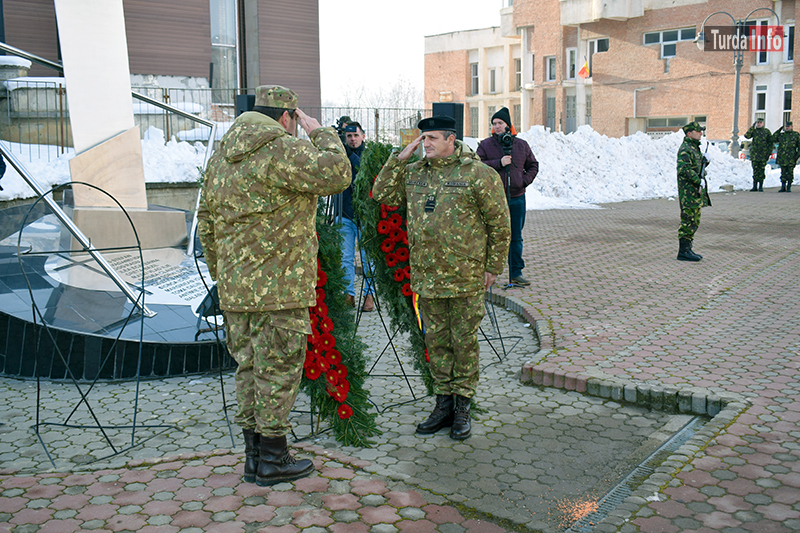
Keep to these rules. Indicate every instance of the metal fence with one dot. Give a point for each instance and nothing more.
(34, 116)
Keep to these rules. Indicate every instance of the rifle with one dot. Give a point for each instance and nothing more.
(704, 188)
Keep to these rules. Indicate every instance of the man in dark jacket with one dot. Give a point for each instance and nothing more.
(690, 194)
(513, 159)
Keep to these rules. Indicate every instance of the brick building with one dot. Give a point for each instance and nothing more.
(646, 71)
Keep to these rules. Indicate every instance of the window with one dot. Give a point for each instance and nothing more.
(668, 39)
(788, 44)
(517, 116)
(224, 60)
(550, 61)
(761, 57)
(787, 103)
(671, 122)
(492, 80)
(517, 74)
(473, 122)
(473, 70)
(761, 102)
(491, 110)
(572, 62)
(595, 45)
(533, 66)
(589, 109)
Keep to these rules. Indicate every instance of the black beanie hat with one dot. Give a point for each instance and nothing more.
(503, 115)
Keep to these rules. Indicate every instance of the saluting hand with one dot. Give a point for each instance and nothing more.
(409, 150)
(308, 123)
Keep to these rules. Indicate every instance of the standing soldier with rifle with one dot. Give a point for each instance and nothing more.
(690, 190)
(760, 150)
(788, 142)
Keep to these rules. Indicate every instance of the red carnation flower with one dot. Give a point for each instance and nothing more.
(396, 235)
(312, 371)
(384, 227)
(407, 290)
(314, 322)
(342, 371)
(334, 356)
(322, 363)
(391, 260)
(384, 212)
(327, 341)
(427, 357)
(343, 386)
(402, 254)
(326, 324)
(407, 271)
(337, 395)
(333, 377)
(320, 295)
(320, 309)
(399, 275)
(345, 412)
(396, 220)
(370, 191)
(392, 208)
(387, 246)
(322, 278)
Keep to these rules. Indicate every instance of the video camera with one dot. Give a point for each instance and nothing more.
(507, 142)
(339, 127)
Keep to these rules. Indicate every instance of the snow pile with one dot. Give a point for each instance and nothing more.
(576, 170)
(585, 167)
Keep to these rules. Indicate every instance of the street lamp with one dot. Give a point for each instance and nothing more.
(738, 58)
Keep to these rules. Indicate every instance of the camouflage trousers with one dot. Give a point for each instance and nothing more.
(690, 221)
(270, 349)
(787, 174)
(758, 169)
(451, 336)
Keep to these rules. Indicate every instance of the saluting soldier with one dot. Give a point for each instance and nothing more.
(690, 192)
(788, 142)
(760, 150)
(459, 232)
(257, 227)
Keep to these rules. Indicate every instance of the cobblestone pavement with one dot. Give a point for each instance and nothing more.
(634, 344)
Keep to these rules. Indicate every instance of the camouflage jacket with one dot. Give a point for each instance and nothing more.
(458, 221)
(689, 160)
(761, 147)
(258, 209)
(788, 147)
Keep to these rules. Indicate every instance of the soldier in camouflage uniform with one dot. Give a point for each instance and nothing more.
(760, 150)
(690, 193)
(256, 223)
(788, 142)
(458, 233)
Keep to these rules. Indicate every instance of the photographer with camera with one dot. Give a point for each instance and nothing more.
(513, 159)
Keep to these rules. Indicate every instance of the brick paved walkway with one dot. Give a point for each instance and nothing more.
(624, 328)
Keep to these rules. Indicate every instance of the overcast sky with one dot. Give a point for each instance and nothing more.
(374, 43)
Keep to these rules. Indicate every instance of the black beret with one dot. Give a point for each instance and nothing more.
(437, 123)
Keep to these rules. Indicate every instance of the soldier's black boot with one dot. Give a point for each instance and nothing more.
(755, 186)
(685, 252)
(276, 464)
(461, 427)
(783, 187)
(788, 186)
(251, 451)
(760, 186)
(440, 417)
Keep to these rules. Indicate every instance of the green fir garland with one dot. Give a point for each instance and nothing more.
(385, 241)
(335, 368)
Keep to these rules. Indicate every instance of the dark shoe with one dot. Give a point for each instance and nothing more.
(440, 417)
(760, 186)
(788, 187)
(369, 304)
(685, 252)
(783, 187)
(755, 186)
(519, 280)
(277, 465)
(349, 301)
(251, 451)
(461, 427)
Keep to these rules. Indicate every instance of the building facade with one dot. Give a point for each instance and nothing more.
(190, 44)
(645, 70)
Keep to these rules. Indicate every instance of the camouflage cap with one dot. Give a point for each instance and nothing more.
(693, 126)
(276, 96)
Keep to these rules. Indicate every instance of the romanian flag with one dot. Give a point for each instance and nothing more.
(415, 305)
(584, 71)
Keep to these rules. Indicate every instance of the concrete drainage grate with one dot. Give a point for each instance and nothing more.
(625, 488)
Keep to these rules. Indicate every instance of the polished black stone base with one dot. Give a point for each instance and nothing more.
(95, 331)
